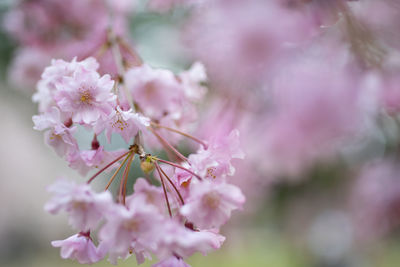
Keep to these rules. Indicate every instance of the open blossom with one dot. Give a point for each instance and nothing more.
(156, 91)
(215, 160)
(53, 74)
(58, 136)
(85, 208)
(78, 247)
(126, 123)
(127, 230)
(210, 204)
(147, 194)
(86, 95)
(180, 241)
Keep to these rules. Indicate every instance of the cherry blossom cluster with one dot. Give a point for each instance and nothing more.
(46, 29)
(171, 221)
(307, 83)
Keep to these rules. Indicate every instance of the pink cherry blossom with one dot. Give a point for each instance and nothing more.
(54, 74)
(85, 208)
(126, 123)
(215, 160)
(78, 247)
(157, 91)
(58, 136)
(180, 241)
(210, 204)
(127, 230)
(86, 95)
(146, 194)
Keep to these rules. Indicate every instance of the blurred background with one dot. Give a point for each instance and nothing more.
(313, 86)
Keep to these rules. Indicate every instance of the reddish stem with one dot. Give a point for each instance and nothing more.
(115, 174)
(165, 191)
(165, 142)
(107, 166)
(179, 166)
(124, 179)
(181, 133)
(169, 180)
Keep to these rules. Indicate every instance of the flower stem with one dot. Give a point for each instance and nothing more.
(168, 145)
(169, 180)
(124, 179)
(115, 174)
(165, 191)
(107, 166)
(181, 133)
(178, 166)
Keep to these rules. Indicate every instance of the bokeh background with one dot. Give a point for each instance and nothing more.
(297, 219)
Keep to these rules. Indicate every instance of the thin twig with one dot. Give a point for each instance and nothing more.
(115, 174)
(108, 165)
(165, 142)
(169, 180)
(165, 191)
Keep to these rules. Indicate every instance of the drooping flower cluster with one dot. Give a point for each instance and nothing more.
(171, 221)
(305, 82)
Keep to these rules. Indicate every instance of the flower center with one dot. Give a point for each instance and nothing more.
(79, 205)
(131, 225)
(211, 200)
(86, 97)
(119, 123)
(210, 172)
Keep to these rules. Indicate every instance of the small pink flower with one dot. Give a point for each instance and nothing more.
(54, 74)
(58, 136)
(178, 240)
(85, 208)
(156, 91)
(125, 123)
(86, 95)
(78, 247)
(126, 230)
(215, 161)
(210, 204)
(146, 194)
(171, 262)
